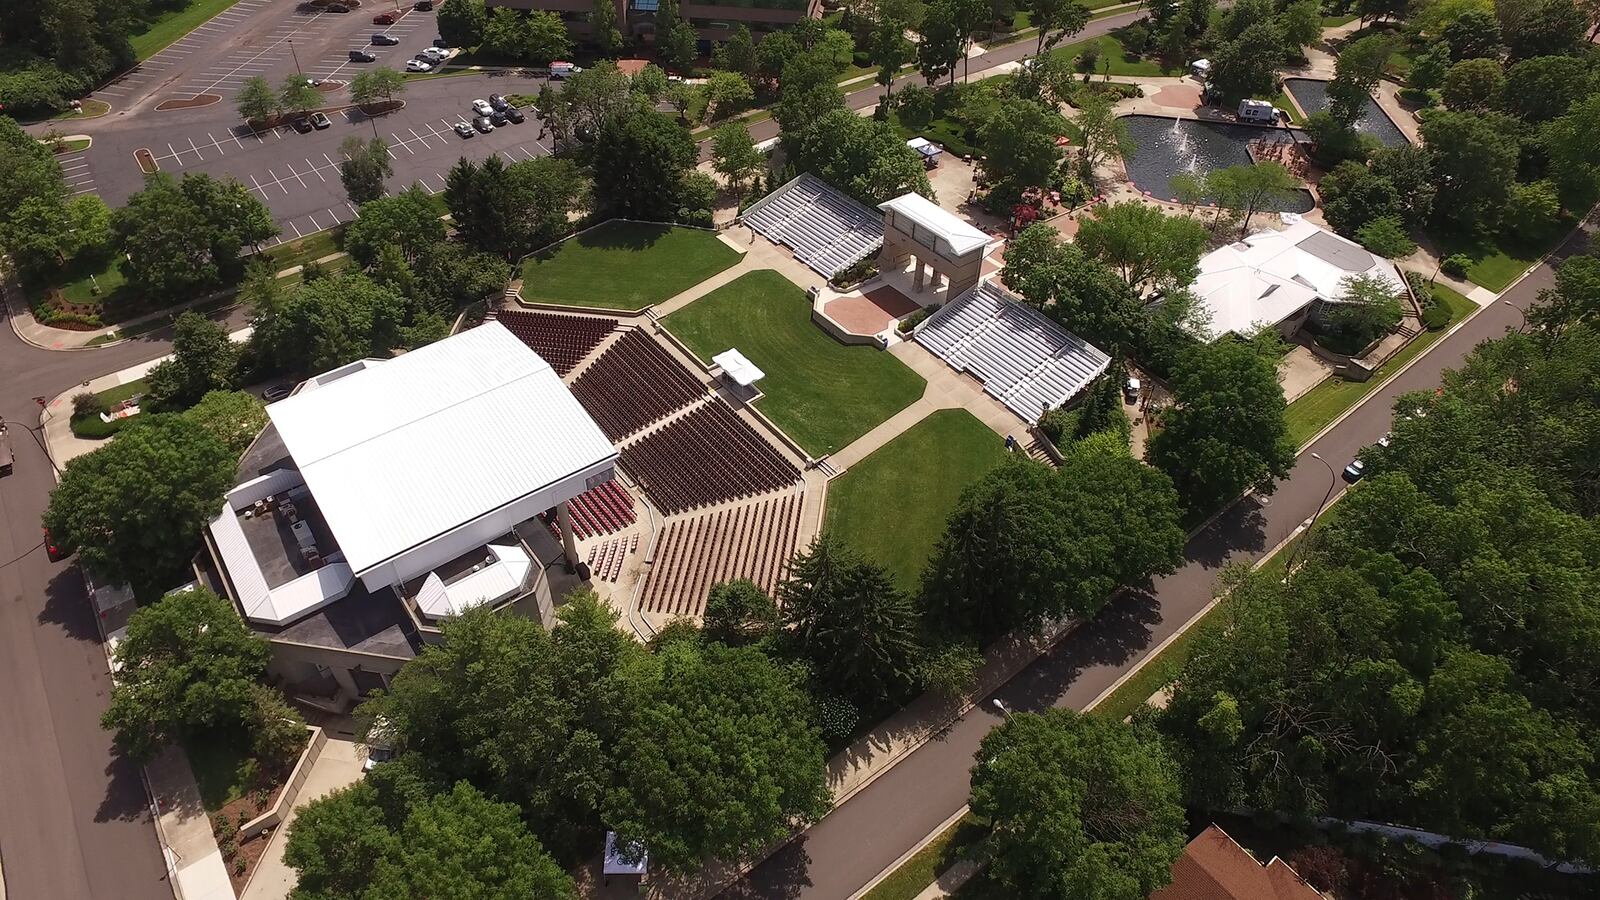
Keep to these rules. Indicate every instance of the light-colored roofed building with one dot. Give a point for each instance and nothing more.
(955, 236)
(1274, 278)
(827, 230)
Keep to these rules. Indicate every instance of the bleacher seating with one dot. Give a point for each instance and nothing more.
(827, 230)
(634, 383)
(562, 341)
(1024, 360)
(603, 509)
(753, 541)
(706, 456)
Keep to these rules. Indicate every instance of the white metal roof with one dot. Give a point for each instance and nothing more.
(496, 580)
(958, 235)
(410, 448)
(827, 230)
(1271, 275)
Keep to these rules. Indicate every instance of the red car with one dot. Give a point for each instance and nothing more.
(383, 19)
(51, 549)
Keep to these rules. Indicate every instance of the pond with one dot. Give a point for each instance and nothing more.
(1312, 95)
(1165, 147)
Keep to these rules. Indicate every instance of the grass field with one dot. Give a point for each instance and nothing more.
(171, 26)
(92, 428)
(892, 505)
(822, 393)
(1499, 261)
(925, 865)
(625, 265)
(1122, 62)
(1325, 402)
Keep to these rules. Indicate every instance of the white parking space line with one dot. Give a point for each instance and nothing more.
(173, 154)
(278, 183)
(315, 170)
(196, 150)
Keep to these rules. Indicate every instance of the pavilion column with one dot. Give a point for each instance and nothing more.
(917, 260)
(346, 682)
(569, 543)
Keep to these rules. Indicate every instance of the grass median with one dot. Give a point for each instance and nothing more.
(170, 27)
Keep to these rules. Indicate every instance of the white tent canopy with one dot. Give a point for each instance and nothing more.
(737, 367)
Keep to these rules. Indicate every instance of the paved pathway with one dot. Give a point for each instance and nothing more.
(338, 765)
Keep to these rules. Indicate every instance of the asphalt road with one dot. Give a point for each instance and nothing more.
(869, 832)
(74, 820)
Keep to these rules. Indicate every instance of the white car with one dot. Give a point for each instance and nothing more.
(437, 54)
(482, 107)
(417, 65)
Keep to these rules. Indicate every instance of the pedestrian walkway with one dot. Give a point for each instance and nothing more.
(192, 853)
(337, 766)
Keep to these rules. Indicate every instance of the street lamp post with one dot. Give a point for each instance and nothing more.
(296, 59)
(1310, 523)
(1000, 705)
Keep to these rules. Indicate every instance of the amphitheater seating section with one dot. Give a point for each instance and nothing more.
(602, 509)
(705, 457)
(1024, 360)
(827, 230)
(634, 383)
(561, 341)
(753, 541)
(606, 558)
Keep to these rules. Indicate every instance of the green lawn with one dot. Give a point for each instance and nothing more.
(289, 254)
(216, 765)
(92, 428)
(925, 865)
(625, 265)
(171, 26)
(1325, 402)
(1122, 62)
(81, 286)
(892, 505)
(822, 393)
(1498, 261)
(1281, 100)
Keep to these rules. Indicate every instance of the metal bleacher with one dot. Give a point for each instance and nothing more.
(827, 230)
(1024, 360)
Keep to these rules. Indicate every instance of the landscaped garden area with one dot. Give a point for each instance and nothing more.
(624, 265)
(822, 393)
(892, 505)
(1322, 404)
(86, 422)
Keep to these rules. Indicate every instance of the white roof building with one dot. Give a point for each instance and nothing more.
(1272, 276)
(956, 236)
(395, 467)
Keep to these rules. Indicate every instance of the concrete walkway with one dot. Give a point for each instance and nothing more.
(192, 853)
(337, 766)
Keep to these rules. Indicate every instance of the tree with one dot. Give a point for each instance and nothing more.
(461, 22)
(738, 612)
(232, 417)
(547, 37)
(846, 617)
(408, 220)
(261, 292)
(1353, 195)
(734, 155)
(638, 164)
(370, 85)
(1474, 162)
(1574, 155)
(45, 233)
(737, 53)
(334, 320)
(1475, 85)
(1356, 74)
(187, 664)
(1368, 305)
(1062, 281)
(726, 93)
(1248, 189)
(1300, 23)
(1143, 243)
(513, 210)
(675, 39)
(863, 157)
(651, 82)
(1410, 170)
(1533, 209)
(708, 716)
(774, 53)
(297, 95)
(203, 360)
(1539, 89)
(505, 33)
(1079, 806)
(1475, 33)
(1247, 65)
(179, 237)
(888, 48)
(1104, 135)
(364, 168)
(257, 101)
(603, 28)
(1387, 237)
(346, 846)
(943, 42)
(1548, 28)
(1227, 431)
(1021, 138)
(1026, 544)
(450, 276)
(1429, 67)
(1056, 21)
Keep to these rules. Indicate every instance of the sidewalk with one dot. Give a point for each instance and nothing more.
(337, 766)
(191, 849)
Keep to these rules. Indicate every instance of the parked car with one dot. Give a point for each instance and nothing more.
(361, 56)
(308, 8)
(384, 40)
(50, 548)
(441, 43)
(277, 392)
(515, 116)
(423, 5)
(463, 129)
(482, 107)
(320, 121)
(1130, 390)
(301, 124)
(1354, 471)
(384, 19)
(483, 124)
(497, 118)
(498, 102)
(437, 54)
(1384, 441)
(417, 65)
(6, 457)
